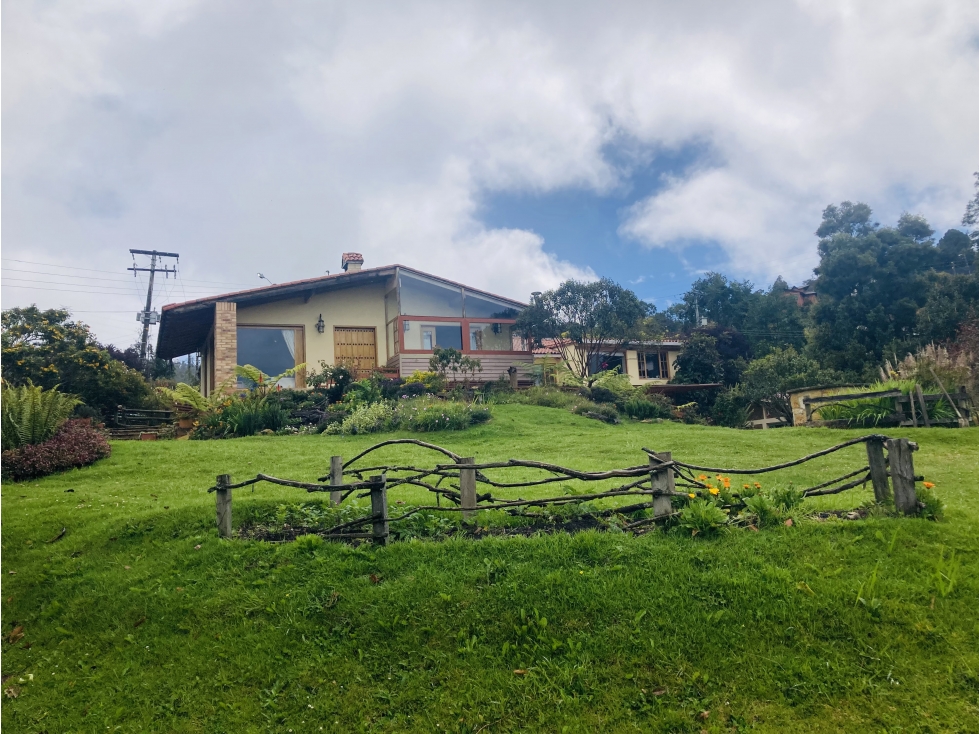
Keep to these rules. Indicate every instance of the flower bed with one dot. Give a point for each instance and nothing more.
(76, 443)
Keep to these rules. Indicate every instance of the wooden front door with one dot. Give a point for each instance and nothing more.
(356, 347)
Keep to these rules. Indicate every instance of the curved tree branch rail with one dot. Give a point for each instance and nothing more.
(655, 483)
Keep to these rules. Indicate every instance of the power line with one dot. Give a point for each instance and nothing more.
(194, 289)
(93, 270)
(68, 290)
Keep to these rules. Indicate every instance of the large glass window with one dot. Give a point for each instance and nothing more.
(426, 298)
(491, 337)
(428, 335)
(484, 307)
(654, 365)
(272, 350)
(602, 362)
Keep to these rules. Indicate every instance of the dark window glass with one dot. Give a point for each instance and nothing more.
(271, 350)
(649, 365)
(448, 337)
(602, 362)
(426, 298)
(482, 307)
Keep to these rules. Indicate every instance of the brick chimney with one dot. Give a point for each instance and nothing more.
(352, 262)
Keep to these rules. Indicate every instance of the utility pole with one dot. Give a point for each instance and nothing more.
(148, 316)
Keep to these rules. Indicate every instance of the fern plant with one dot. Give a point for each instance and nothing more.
(31, 415)
(262, 383)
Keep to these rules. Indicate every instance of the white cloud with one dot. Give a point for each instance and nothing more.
(250, 138)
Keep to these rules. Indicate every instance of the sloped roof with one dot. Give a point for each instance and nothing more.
(184, 326)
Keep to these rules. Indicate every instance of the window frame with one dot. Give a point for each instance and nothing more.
(663, 362)
(300, 357)
(465, 334)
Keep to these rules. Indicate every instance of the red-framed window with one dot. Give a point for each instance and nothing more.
(421, 334)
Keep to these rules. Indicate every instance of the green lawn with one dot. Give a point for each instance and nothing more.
(129, 627)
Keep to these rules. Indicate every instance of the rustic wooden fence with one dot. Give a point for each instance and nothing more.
(654, 483)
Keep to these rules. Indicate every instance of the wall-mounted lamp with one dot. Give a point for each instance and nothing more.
(320, 326)
(407, 325)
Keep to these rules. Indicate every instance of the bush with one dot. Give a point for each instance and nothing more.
(604, 412)
(76, 443)
(332, 380)
(422, 415)
(731, 409)
(440, 416)
(430, 381)
(645, 409)
(31, 415)
(365, 419)
(599, 394)
(702, 517)
(761, 508)
(787, 498)
(546, 397)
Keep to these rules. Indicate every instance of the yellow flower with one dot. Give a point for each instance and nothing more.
(929, 485)
(747, 486)
(692, 495)
(702, 477)
(757, 485)
(714, 491)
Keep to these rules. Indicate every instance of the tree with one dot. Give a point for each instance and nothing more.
(971, 216)
(719, 300)
(847, 218)
(956, 253)
(767, 381)
(872, 282)
(775, 319)
(700, 362)
(586, 320)
(48, 349)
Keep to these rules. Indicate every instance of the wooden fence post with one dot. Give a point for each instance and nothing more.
(222, 499)
(921, 401)
(662, 479)
(336, 478)
(902, 475)
(379, 509)
(878, 471)
(467, 488)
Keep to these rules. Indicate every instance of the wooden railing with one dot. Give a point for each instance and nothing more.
(654, 484)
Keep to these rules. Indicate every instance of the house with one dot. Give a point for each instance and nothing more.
(648, 363)
(388, 318)
(803, 296)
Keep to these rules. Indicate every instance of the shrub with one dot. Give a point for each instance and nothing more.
(787, 498)
(702, 517)
(439, 415)
(731, 409)
(332, 380)
(604, 412)
(644, 409)
(31, 415)
(365, 419)
(930, 506)
(600, 394)
(547, 397)
(431, 381)
(762, 509)
(76, 443)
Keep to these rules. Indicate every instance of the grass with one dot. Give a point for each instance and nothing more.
(834, 626)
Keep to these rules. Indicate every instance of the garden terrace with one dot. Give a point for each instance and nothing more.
(140, 617)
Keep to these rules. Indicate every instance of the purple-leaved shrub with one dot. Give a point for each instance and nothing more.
(77, 443)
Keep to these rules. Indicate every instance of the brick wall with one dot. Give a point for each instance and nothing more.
(225, 342)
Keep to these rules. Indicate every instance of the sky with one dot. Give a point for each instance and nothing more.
(509, 146)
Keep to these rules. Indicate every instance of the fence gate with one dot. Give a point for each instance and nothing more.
(355, 346)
